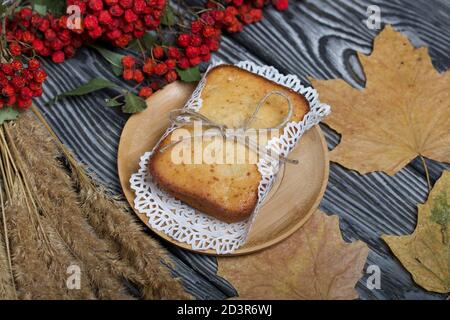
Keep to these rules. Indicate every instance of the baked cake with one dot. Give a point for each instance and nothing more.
(228, 192)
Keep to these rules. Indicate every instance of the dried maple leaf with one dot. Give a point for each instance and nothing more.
(426, 252)
(403, 112)
(313, 263)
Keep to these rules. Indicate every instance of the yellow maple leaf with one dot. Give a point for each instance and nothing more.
(313, 263)
(426, 252)
(403, 112)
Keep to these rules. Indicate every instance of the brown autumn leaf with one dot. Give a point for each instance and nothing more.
(403, 112)
(426, 252)
(313, 263)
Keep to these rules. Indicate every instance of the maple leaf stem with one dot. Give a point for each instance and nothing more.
(427, 172)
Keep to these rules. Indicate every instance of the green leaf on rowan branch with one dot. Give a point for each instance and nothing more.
(133, 103)
(55, 7)
(189, 75)
(92, 85)
(8, 113)
(146, 42)
(2, 8)
(168, 17)
(113, 103)
(114, 58)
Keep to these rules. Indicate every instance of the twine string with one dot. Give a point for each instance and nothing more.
(183, 117)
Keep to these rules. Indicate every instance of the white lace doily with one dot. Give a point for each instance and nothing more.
(201, 231)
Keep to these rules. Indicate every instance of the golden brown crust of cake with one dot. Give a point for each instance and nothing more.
(228, 192)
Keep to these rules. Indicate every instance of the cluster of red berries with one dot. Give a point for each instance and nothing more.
(118, 21)
(29, 33)
(195, 46)
(114, 21)
(20, 83)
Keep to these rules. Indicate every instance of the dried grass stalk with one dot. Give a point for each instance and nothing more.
(60, 205)
(7, 291)
(54, 224)
(111, 220)
(29, 253)
(23, 213)
(7, 285)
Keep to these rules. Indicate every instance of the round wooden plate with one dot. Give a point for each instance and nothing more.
(293, 199)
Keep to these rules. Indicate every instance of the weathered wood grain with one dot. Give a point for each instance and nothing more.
(315, 38)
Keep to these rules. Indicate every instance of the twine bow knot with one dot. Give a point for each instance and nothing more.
(182, 117)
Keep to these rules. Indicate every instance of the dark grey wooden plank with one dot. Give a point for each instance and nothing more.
(313, 38)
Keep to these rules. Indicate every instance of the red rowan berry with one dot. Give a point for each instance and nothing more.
(28, 37)
(7, 68)
(281, 4)
(183, 40)
(204, 49)
(69, 51)
(18, 82)
(50, 34)
(126, 3)
(104, 17)
(26, 93)
(158, 52)
(213, 44)
(196, 26)
(8, 91)
(195, 40)
(58, 57)
(148, 66)
(37, 45)
(40, 76)
(192, 52)
(130, 16)
(160, 69)
(96, 33)
(183, 63)
(25, 13)
(123, 41)
(195, 61)
(138, 76)
(115, 34)
(16, 65)
(116, 11)
(24, 104)
(11, 100)
(173, 53)
(128, 74)
(170, 63)
(96, 5)
(128, 62)
(218, 15)
(35, 85)
(139, 6)
(56, 45)
(65, 36)
(27, 74)
(37, 92)
(15, 49)
(91, 22)
(206, 57)
(208, 31)
(44, 25)
(145, 92)
(171, 76)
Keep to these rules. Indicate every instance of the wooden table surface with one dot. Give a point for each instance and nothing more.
(315, 38)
